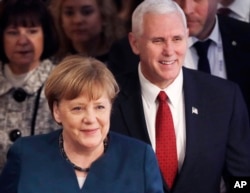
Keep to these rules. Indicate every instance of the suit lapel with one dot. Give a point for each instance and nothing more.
(132, 109)
(194, 107)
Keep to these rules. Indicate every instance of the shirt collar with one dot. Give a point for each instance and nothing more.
(35, 81)
(151, 91)
(214, 35)
(240, 8)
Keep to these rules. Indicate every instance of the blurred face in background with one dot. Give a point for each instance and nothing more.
(23, 47)
(200, 16)
(81, 20)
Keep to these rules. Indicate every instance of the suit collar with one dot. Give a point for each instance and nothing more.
(132, 107)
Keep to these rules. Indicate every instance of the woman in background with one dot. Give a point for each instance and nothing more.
(86, 27)
(27, 40)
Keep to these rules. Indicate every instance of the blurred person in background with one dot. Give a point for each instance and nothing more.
(86, 27)
(238, 9)
(27, 40)
(125, 9)
(227, 52)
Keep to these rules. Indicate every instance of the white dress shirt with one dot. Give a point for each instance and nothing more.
(240, 10)
(150, 105)
(215, 54)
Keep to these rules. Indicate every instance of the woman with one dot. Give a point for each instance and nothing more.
(83, 156)
(27, 40)
(87, 27)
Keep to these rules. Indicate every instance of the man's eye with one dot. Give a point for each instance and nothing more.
(177, 38)
(157, 40)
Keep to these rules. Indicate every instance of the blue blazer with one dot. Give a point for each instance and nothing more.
(217, 135)
(35, 165)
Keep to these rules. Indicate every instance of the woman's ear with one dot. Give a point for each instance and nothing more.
(56, 112)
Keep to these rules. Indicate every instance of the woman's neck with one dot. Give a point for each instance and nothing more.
(19, 69)
(82, 157)
(91, 48)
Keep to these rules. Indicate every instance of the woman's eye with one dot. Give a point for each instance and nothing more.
(68, 12)
(77, 109)
(33, 30)
(12, 32)
(100, 107)
(87, 11)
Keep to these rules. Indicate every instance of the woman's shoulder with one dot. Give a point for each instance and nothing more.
(122, 140)
(39, 140)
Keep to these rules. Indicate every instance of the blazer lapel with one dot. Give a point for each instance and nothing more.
(194, 106)
(132, 109)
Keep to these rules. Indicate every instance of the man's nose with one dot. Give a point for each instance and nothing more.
(168, 48)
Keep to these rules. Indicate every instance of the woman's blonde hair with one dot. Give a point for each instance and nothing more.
(76, 75)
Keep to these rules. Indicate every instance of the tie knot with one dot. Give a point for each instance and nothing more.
(202, 47)
(162, 97)
(224, 11)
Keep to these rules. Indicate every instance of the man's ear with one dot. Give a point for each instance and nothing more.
(133, 40)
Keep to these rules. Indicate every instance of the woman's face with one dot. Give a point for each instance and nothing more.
(81, 20)
(23, 47)
(85, 122)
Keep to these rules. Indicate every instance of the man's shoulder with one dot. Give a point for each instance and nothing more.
(236, 26)
(205, 80)
(128, 79)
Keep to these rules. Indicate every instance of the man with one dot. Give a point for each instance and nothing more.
(211, 125)
(228, 53)
(238, 9)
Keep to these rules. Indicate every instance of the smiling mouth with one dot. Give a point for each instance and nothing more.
(164, 62)
(89, 131)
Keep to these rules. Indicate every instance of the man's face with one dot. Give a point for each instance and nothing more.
(200, 16)
(161, 46)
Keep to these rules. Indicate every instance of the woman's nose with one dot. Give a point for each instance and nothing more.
(23, 39)
(77, 18)
(89, 116)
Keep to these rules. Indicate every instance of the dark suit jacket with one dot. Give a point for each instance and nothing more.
(237, 56)
(35, 165)
(217, 136)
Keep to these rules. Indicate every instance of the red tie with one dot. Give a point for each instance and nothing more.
(165, 140)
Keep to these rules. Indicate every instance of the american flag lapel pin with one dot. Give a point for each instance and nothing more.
(195, 110)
